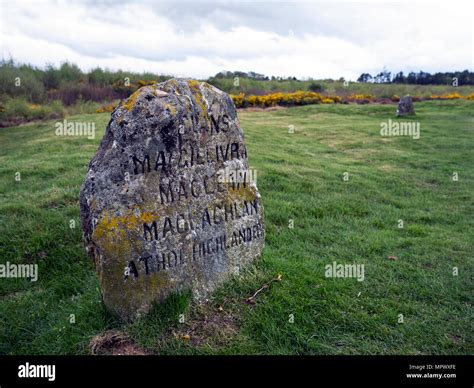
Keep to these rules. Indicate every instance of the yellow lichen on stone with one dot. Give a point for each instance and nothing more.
(127, 221)
(193, 84)
(118, 239)
(172, 109)
(195, 89)
(132, 100)
(241, 193)
(111, 232)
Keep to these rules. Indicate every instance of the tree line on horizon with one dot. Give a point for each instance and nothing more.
(455, 78)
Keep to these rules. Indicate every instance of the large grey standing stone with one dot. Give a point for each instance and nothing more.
(162, 208)
(405, 106)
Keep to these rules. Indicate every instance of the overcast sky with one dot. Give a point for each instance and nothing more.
(199, 39)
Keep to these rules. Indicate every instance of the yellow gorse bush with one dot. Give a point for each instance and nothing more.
(273, 99)
(361, 97)
(106, 108)
(448, 96)
(306, 98)
(295, 98)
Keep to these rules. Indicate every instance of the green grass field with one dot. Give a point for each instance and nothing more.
(300, 177)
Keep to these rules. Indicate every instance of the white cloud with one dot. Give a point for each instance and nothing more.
(298, 39)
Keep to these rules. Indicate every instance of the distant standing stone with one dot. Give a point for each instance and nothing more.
(168, 203)
(405, 106)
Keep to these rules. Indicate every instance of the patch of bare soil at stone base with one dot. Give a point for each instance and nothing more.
(115, 343)
(215, 327)
(208, 326)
